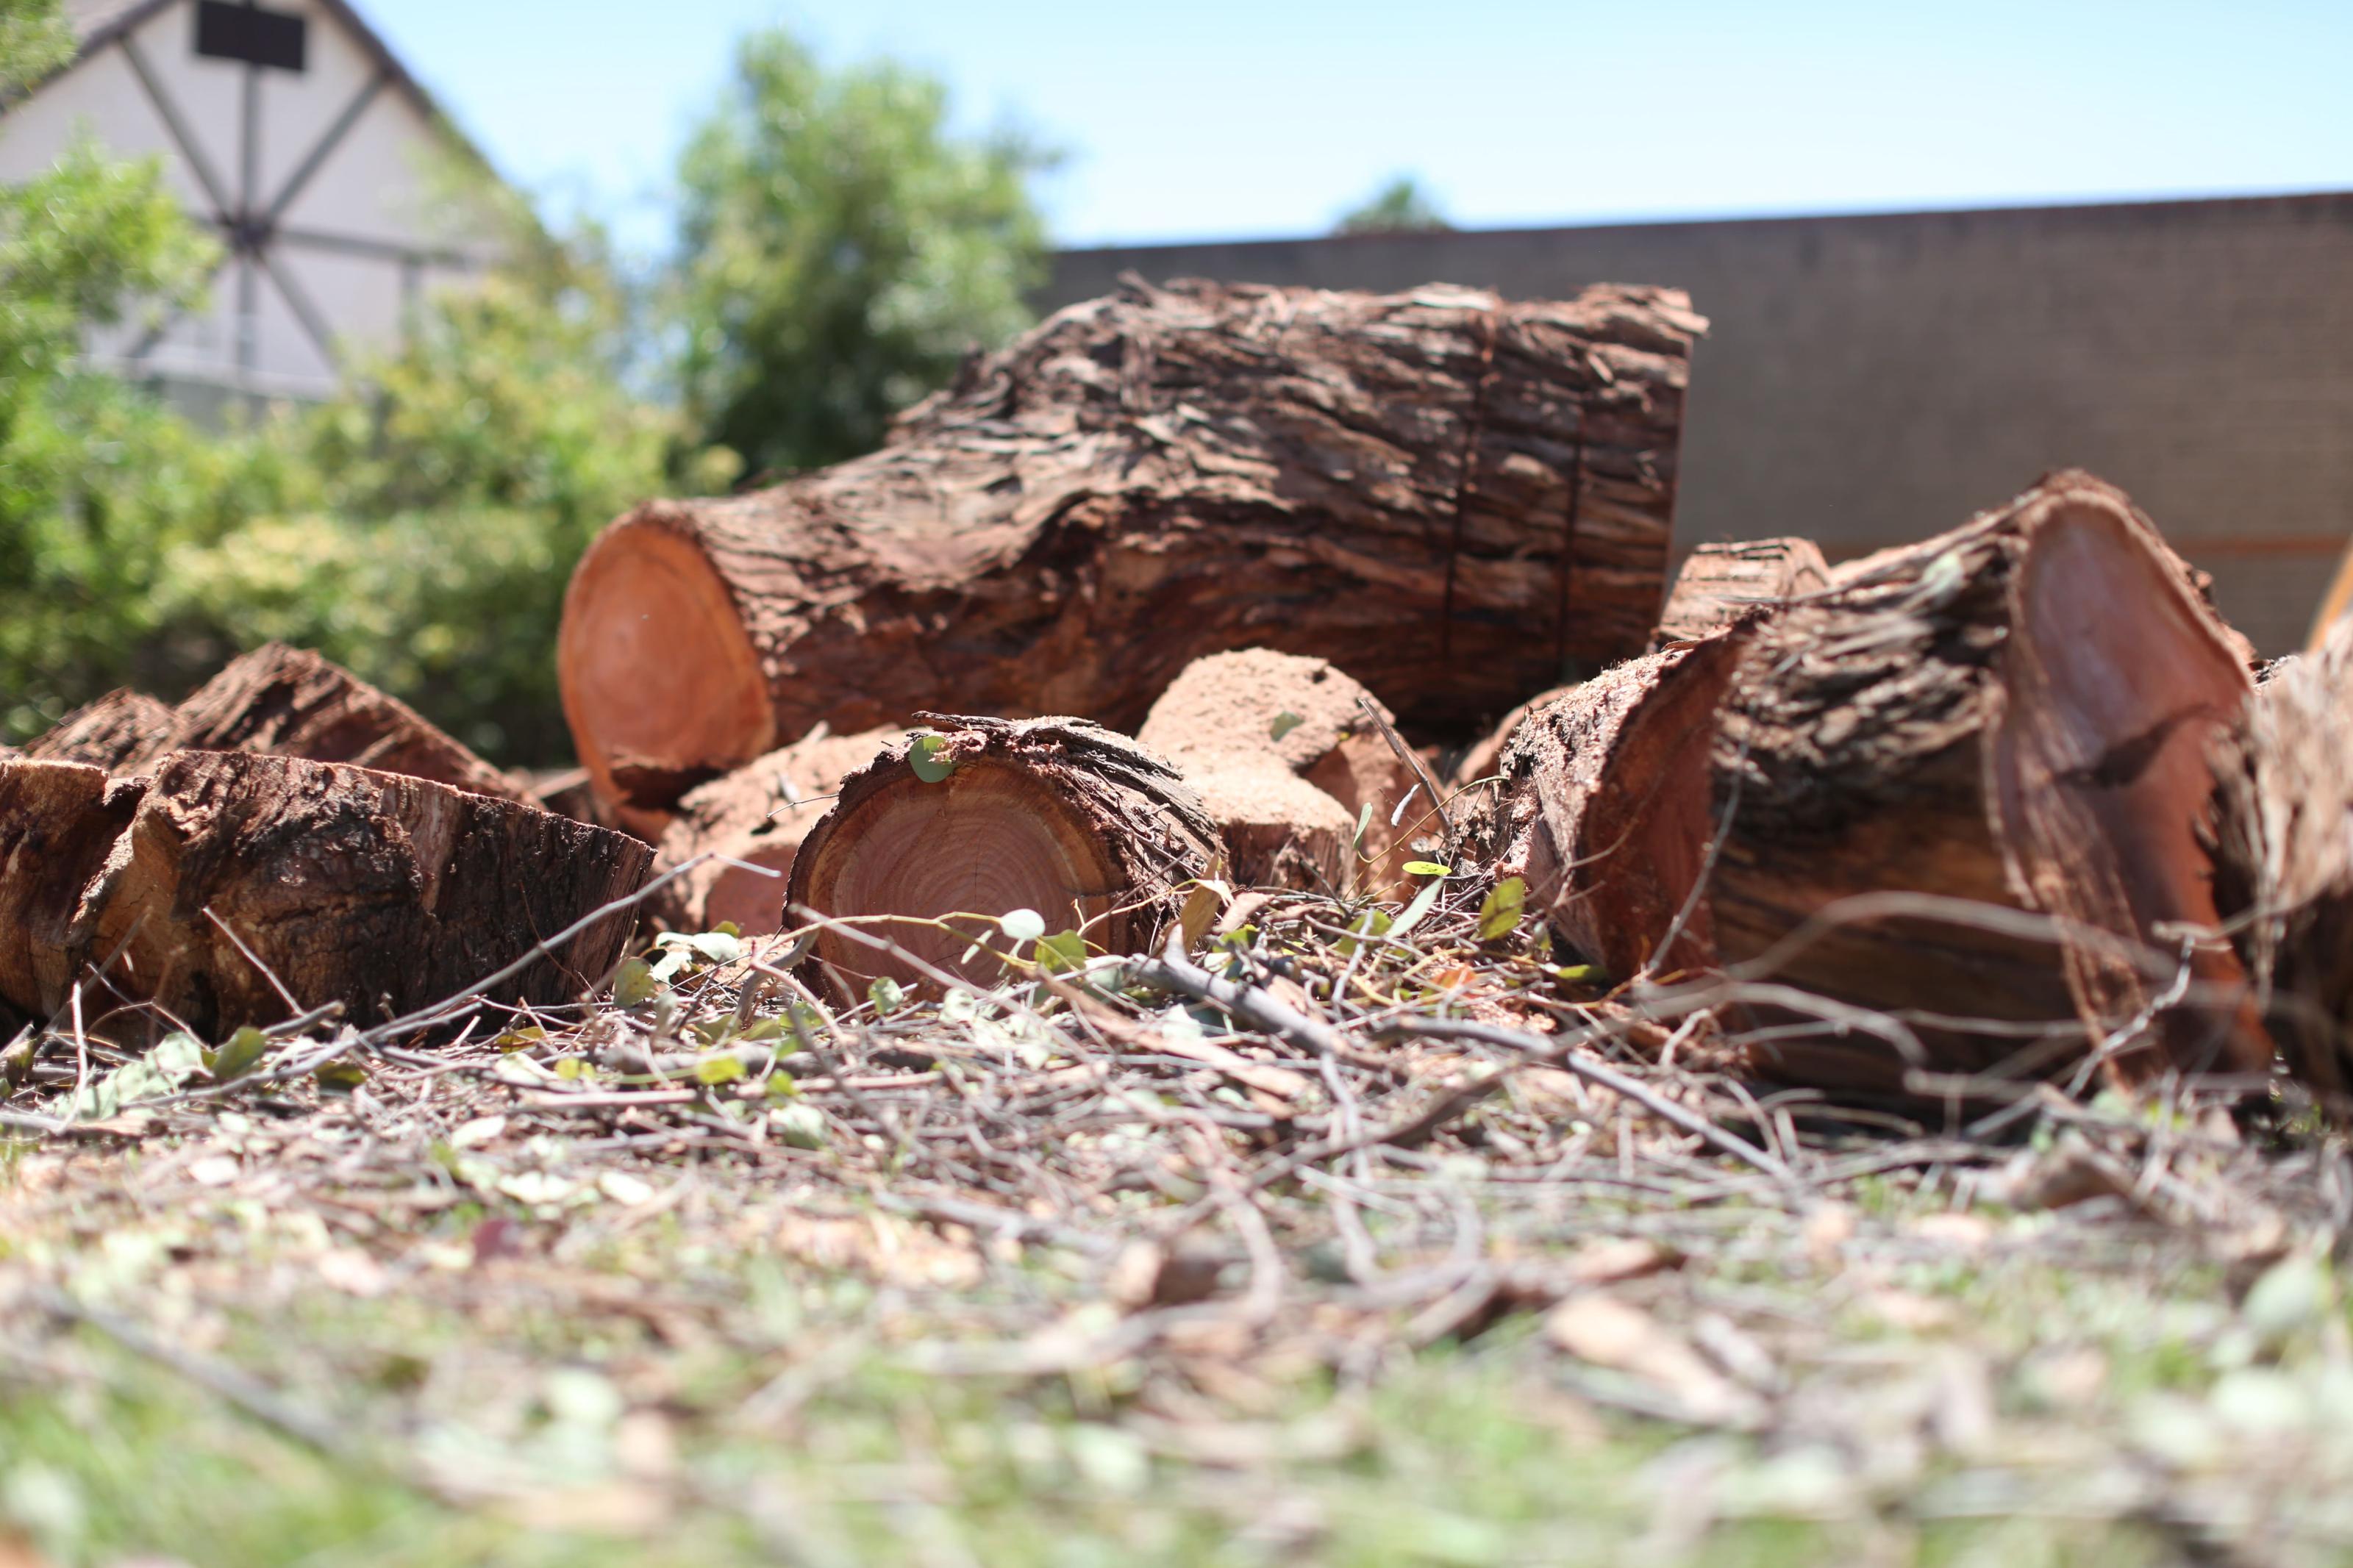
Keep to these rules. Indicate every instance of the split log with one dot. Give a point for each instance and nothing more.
(1603, 809)
(118, 732)
(1721, 583)
(1446, 494)
(231, 889)
(1285, 760)
(2016, 713)
(1083, 825)
(758, 814)
(2283, 842)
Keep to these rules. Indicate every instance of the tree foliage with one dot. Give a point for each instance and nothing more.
(1400, 207)
(840, 249)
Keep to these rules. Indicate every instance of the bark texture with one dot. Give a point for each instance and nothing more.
(1603, 808)
(1721, 583)
(1060, 815)
(1285, 760)
(759, 813)
(119, 732)
(2283, 840)
(1448, 494)
(216, 878)
(2016, 713)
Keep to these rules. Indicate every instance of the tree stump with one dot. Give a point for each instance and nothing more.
(985, 815)
(1721, 583)
(118, 732)
(1445, 494)
(58, 820)
(1286, 760)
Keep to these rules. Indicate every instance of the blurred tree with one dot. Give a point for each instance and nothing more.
(1400, 207)
(839, 251)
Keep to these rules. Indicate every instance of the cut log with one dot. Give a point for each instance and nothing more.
(1603, 809)
(230, 889)
(1085, 826)
(2282, 841)
(1721, 583)
(2016, 713)
(290, 702)
(119, 731)
(1286, 760)
(758, 814)
(1446, 494)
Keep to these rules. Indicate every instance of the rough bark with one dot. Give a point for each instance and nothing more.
(1721, 583)
(119, 732)
(757, 815)
(2281, 835)
(1285, 760)
(2017, 714)
(290, 702)
(1060, 815)
(1603, 809)
(1448, 494)
(213, 880)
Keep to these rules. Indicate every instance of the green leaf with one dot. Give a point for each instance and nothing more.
(1372, 923)
(718, 1070)
(1427, 869)
(1022, 925)
(1364, 826)
(517, 1039)
(887, 995)
(726, 928)
(781, 1085)
(768, 1029)
(927, 754)
(341, 1076)
(237, 1053)
(718, 946)
(713, 1033)
(1578, 973)
(1285, 724)
(1423, 902)
(1065, 950)
(635, 983)
(1499, 911)
(800, 1124)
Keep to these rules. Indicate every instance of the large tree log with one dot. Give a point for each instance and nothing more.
(2015, 714)
(1058, 815)
(2283, 840)
(758, 814)
(118, 732)
(216, 878)
(1721, 583)
(1448, 494)
(1603, 809)
(1285, 760)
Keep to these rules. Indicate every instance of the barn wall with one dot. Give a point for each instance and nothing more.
(1872, 379)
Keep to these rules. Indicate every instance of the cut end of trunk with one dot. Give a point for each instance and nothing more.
(119, 732)
(1721, 583)
(656, 668)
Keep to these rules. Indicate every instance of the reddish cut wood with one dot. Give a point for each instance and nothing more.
(1446, 493)
(226, 876)
(58, 822)
(1287, 805)
(119, 731)
(758, 814)
(2014, 714)
(1058, 815)
(1603, 809)
(1721, 583)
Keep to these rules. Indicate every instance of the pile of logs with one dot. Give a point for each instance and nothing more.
(1213, 586)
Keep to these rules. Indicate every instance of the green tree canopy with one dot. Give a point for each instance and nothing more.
(1400, 207)
(840, 249)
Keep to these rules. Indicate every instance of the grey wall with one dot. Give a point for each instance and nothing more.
(1873, 379)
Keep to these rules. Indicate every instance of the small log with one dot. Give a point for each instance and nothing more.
(290, 702)
(2281, 835)
(1448, 494)
(234, 888)
(1603, 809)
(1721, 583)
(1285, 760)
(757, 815)
(119, 731)
(2016, 713)
(1083, 825)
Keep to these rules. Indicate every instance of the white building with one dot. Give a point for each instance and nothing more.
(292, 132)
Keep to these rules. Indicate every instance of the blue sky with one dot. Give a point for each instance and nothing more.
(1233, 118)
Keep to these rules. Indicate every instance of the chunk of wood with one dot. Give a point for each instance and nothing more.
(1084, 826)
(1286, 760)
(230, 889)
(2017, 714)
(1448, 494)
(2282, 835)
(1603, 809)
(118, 732)
(1721, 583)
(758, 816)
